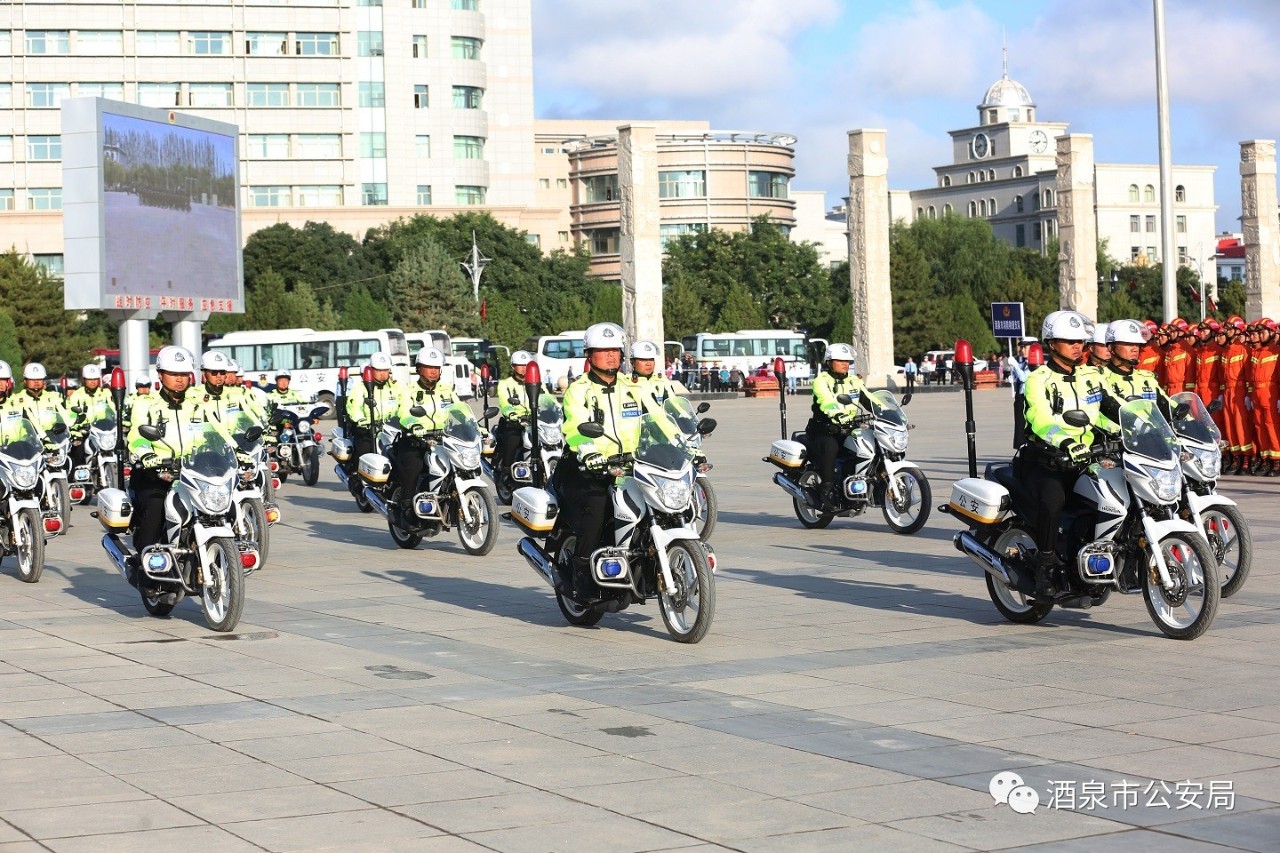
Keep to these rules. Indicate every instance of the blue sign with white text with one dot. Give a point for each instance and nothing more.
(1007, 320)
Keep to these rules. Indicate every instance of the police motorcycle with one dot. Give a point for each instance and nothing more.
(703, 507)
(449, 492)
(198, 554)
(55, 501)
(871, 470)
(1224, 525)
(257, 511)
(297, 447)
(1120, 531)
(99, 469)
(550, 419)
(650, 548)
(22, 527)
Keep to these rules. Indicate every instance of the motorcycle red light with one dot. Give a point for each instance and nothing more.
(77, 494)
(1035, 355)
(532, 374)
(117, 379)
(275, 466)
(52, 525)
(779, 367)
(249, 559)
(316, 437)
(275, 482)
(272, 514)
(964, 352)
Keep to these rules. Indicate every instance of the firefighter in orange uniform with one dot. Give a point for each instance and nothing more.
(1177, 360)
(1207, 356)
(1262, 380)
(1238, 414)
(1151, 356)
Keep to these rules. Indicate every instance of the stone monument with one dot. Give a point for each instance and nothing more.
(1077, 225)
(640, 243)
(1258, 221)
(868, 218)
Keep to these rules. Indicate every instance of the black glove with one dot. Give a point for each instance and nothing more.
(149, 461)
(594, 461)
(1078, 453)
(244, 458)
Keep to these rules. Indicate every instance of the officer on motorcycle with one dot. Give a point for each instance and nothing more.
(832, 419)
(281, 394)
(581, 479)
(1060, 385)
(6, 385)
(88, 403)
(140, 394)
(221, 396)
(1099, 348)
(509, 434)
(653, 386)
(435, 396)
(363, 408)
(37, 405)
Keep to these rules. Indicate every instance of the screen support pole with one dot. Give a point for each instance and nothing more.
(135, 346)
(186, 330)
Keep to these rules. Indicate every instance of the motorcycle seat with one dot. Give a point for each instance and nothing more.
(1003, 473)
(802, 437)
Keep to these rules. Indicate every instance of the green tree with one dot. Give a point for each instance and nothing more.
(428, 291)
(606, 307)
(504, 323)
(10, 351)
(740, 310)
(268, 306)
(329, 260)
(1231, 298)
(917, 312)
(362, 311)
(683, 312)
(45, 332)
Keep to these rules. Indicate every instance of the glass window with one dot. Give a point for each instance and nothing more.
(266, 44)
(323, 195)
(372, 94)
(466, 5)
(1151, 253)
(1017, 203)
(6, 199)
(946, 209)
(373, 144)
(421, 97)
(973, 209)
(562, 183)
(368, 2)
(424, 194)
(373, 194)
(47, 94)
(209, 94)
(1020, 235)
(1133, 192)
(946, 180)
(52, 263)
(157, 42)
(44, 198)
(1151, 224)
(419, 4)
(316, 44)
(604, 241)
(683, 184)
(1179, 193)
(319, 95)
(99, 43)
(465, 47)
(6, 43)
(101, 90)
(44, 147)
(1149, 193)
(419, 47)
(48, 41)
(1015, 114)
(422, 146)
(982, 207)
(544, 183)
(1017, 171)
(273, 146)
(563, 236)
(466, 195)
(467, 97)
(1180, 223)
(269, 197)
(314, 356)
(933, 212)
(598, 188)
(266, 94)
(208, 43)
(319, 146)
(767, 185)
(158, 94)
(1182, 254)
(468, 147)
(671, 230)
(369, 43)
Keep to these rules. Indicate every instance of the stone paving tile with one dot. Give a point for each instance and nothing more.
(339, 829)
(97, 818)
(864, 837)
(293, 801)
(528, 809)
(728, 823)
(608, 833)
(205, 839)
(1186, 762)
(1257, 831)
(457, 784)
(345, 767)
(888, 803)
(175, 781)
(1128, 841)
(991, 828)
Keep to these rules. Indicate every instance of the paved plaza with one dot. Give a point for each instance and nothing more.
(858, 691)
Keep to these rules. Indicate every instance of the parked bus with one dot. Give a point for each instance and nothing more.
(312, 357)
(457, 369)
(482, 351)
(558, 355)
(750, 348)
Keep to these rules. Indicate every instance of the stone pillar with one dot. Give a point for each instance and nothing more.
(640, 241)
(1258, 220)
(1077, 225)
(868, 214)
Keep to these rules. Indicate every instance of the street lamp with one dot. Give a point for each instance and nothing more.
(474, 266)
(1115, 280)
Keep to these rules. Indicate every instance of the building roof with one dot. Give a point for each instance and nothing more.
(1007, 92)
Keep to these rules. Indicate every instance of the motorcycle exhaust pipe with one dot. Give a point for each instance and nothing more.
(376, 500)
(116, 551)
(538, 560)
(982, 556)
(342, 475)
(794, 489)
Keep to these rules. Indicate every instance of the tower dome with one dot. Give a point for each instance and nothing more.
(1007, 92)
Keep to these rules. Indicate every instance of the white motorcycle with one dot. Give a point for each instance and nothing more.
(704, 506)
(652, 550)
(257, 512)
(99, 469)
(297, 447)
(22, 529)
(1219, 516)
(1120, 532)
(550, 449)
(55, 501)
(198, 553)
(871, 470)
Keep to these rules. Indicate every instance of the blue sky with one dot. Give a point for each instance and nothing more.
(918, 68)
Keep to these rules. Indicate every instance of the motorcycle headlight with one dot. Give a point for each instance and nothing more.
(674, 495)
(25, 476)
(1167, 484)
(896, 440)
(304, 426)
(1209, 462)
(469, 458)
(107, 441)
(215, 497)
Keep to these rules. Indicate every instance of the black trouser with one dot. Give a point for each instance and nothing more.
(1019, 419)
(79, 452)
(584, 499)
(509, 437)
(149, 492)
(407, 462)
(911, 381)
(824, 446)
(1048, 489)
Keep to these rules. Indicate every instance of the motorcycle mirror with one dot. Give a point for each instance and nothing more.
(58, 429)
(906, 399)
(706, 425)
(318, 412)
(702, 407)
(844, 399)
(151, 432)
(1076, 418)
(1132, 397)
(280, 417)
(418, 411)
(591, 429)
(252, 434)
(1180, 411)
(491, 412)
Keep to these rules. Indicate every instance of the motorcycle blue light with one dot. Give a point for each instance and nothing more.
(1098, 564)
(157, 562)
(611, 568)
(520, 472)
(82, 473)
(426, 508)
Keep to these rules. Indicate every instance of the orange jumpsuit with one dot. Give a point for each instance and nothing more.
(1177, 364)
(1262, 379)
(1208, 367)
(1238, 418)
(1151, 357)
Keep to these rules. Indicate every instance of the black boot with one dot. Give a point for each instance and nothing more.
(830, 498)
(132, 568)
(1047, 566)
(584, 588)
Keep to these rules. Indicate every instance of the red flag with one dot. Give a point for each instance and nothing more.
(484, 310)
(1195, 293)
(1213, 306)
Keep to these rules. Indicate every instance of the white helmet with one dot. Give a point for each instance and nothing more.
(142, 382)
(521, 357)
(840, 352)
(6, 372)
(34, 370)
(1100, 334)
(283, 374)
(214, 360)
(644, 349)
(380, 361)
(1066, 326)
(604, 336)
(1127, 332)
(91, 371)
(429, 357)
(174, 359)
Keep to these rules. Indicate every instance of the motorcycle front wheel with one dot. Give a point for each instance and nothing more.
(1186, 611)
(223, 595)
(157, 603)
(60, 502)
(907, 515)
(688, 609)
(479, 536)
(809, 517)
(111, 475)
(311, 467)
(1012, 604)
(503, 486)
(705, 508)
(1232, 544)
(578, 615)
(28, 539)
(254, 529)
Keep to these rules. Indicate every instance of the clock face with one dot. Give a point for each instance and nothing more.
(1039, 141)
(981, 146)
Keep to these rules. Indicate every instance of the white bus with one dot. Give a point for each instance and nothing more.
(558, 355)
(458, 369)
(750, 348)
(312, 357)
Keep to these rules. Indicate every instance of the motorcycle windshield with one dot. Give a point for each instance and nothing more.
(549, 411)
(680, 411)
(460, 424)
(660, 443)
(886, 408)
(207, 451)
(107, 424)
(1145, 431)
(238, 425)
(1197, 424)
(19, 439)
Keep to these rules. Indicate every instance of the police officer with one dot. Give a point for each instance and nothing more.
(6, 384)
(581, 480)
(654, 387)
(512, 399)
(281, 394)
(221, 396)
(831, 419)
(141, 392)
(364, 407)
(436, 397)
(88, 403)
(43, 408)
(1123, 378)
(1099, 351)
(1056, 451)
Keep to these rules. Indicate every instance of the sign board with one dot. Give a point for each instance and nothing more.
(1008, 320)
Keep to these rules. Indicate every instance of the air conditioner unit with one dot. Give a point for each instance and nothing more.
(375, 51)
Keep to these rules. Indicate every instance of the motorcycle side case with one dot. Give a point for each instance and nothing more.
(786, 454)
(340, 448)
(375, 468)
(979, 500)
(534, 509)
(114, 510)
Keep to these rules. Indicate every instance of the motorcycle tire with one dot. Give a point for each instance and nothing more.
(1194, 568)
(402, 538)
(578, 615)
(28, 537)
(1013, 605)
(311, 468)
(111, 475)
(503, 488)
(256, 530)
(362, 502)
(479, 538)
(154, 601)
(811, 518)
(917, 503)
(60, 502)
(222, 597)
(1232, 544)
(705, 520)
(687, 610)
